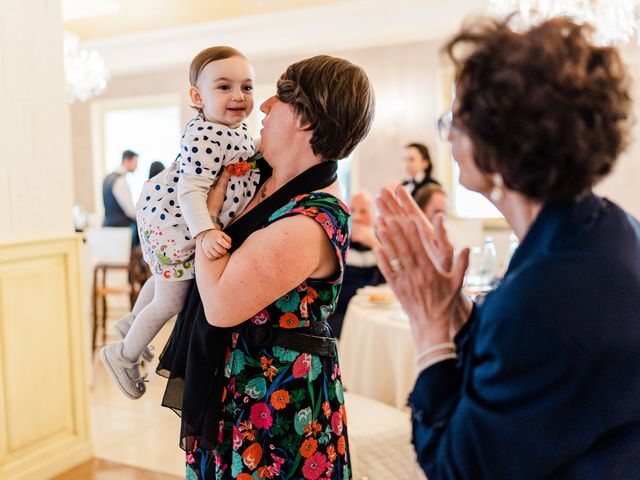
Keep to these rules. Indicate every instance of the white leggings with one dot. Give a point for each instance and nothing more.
(159, 300)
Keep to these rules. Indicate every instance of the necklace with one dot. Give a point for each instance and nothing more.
(263, 190)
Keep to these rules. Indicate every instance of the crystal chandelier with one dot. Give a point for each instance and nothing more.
(86, 74)
(615, 21)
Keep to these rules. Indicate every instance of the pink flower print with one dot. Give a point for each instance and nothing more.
(261, 416)
(314, 466)
(237, 438)
(302, 365)
(336, 372)
(326, 223)
(336, 423)
(277, 461)
(220, 429)
(260, 318)
(190, 458)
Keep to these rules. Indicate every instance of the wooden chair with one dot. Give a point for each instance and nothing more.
(111, 252)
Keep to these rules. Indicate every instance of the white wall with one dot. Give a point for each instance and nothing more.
(623, 185)
(36, 186)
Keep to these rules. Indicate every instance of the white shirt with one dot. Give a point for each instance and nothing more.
(122, 193)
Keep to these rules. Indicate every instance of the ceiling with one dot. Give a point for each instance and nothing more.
(151, 35)
(94, 19)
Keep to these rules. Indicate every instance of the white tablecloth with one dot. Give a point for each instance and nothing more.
(376, 351)
(380, 441)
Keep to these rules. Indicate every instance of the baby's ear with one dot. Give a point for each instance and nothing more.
(194, 95)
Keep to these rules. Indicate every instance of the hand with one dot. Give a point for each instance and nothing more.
(429, 293)
(402, 205)
(214, 243)
(215, 198)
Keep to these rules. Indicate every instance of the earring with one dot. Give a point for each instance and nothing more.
(497, 192)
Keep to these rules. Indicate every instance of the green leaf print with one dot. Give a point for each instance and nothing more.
(316, 368)
(256, 388)
(297, 397)
(191, 475)
(339, 392)
(280, 427)
(236, 363)
(324, 295)
(285, 355)
(325, 436)
(289, 302)
(332, 394)
(236, 465)
(303, 417)
(281, 211)
(325, 311)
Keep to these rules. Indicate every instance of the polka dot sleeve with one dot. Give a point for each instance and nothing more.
(203, 155)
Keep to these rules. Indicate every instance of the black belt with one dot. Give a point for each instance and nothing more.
(315, 339)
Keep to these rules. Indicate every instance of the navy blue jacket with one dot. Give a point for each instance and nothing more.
(547, 380)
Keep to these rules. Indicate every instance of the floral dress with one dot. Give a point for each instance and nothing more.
(283, 414)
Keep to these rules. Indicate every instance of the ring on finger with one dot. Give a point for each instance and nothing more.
(396, 265)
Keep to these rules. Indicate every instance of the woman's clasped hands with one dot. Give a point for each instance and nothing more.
(418, 262)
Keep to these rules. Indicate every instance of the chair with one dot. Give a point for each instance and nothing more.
(111, 252)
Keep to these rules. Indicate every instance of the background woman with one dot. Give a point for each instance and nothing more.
(418, 165)
(262, 393)
(542, 380)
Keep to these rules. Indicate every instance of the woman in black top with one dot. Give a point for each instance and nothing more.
(418, 165)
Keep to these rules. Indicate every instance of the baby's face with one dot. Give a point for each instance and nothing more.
(224, 91)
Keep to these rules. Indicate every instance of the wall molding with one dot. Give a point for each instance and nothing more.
(306, 31)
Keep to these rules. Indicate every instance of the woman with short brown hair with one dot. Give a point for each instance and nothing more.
(253, 367)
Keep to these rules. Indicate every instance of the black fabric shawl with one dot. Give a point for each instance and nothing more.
(193, 359)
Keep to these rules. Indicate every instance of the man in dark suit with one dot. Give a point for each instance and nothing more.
(119, 210)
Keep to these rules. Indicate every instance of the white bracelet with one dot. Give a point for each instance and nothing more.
(440, 346)
(434, 360)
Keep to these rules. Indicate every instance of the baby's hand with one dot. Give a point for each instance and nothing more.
(214, 244)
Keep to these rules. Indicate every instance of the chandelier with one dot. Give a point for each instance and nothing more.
(614, 21)
(86, 74)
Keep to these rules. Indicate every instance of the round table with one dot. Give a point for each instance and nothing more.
(376, 351)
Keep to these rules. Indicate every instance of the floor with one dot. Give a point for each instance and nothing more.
(98, 469)
(140, 433)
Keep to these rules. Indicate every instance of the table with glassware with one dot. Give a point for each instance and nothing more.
(376, 350)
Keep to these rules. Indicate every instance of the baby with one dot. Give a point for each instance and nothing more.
(172, 210)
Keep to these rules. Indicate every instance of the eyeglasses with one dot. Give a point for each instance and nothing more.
(446, 124)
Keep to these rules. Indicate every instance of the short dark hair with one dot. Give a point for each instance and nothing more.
(546, 109)
(155, 168)
(335, 97)
(424, 152)
(128, 155)
(424, 194)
